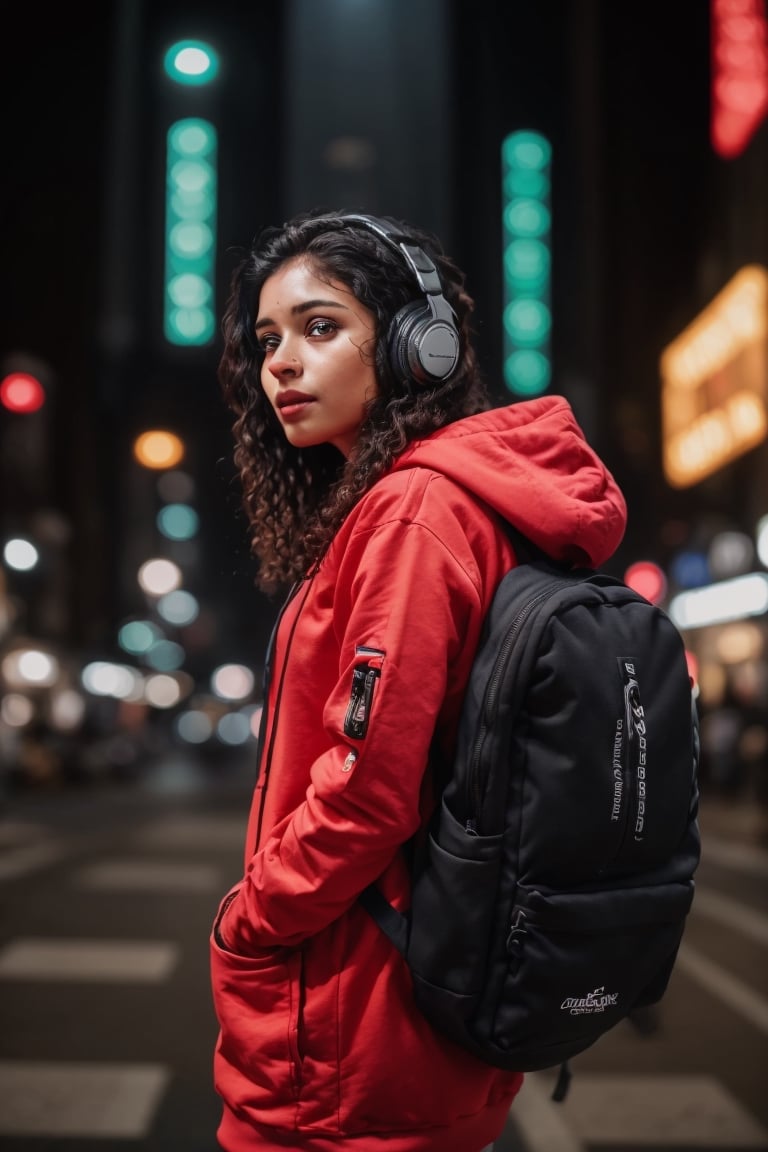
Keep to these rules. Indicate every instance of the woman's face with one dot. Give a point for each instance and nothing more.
(318, 341)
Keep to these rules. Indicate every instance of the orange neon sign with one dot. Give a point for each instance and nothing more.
(714, 392)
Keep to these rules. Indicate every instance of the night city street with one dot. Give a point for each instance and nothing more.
(106, 897)
(600, 172)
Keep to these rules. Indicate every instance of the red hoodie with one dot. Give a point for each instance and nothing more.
(320, 1045)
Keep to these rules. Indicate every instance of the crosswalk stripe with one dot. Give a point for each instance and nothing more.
(23, 861)
(198, 832)
(747, 858)
(732, 914)
(149, 876)
(720, 983)
(85, 1100)
(53, 960)
(607, 1110)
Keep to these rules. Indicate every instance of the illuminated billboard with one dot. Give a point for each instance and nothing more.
(714, 375)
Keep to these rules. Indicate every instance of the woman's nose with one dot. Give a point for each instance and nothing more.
(284, 363)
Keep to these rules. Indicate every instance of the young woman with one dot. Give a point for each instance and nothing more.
(376, 478)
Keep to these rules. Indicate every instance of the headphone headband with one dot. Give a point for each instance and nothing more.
(423, 340)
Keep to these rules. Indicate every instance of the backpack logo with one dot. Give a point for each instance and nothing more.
(596, 1001)
(618, 770)
(637, 745)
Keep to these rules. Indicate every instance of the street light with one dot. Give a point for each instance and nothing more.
(158, 449)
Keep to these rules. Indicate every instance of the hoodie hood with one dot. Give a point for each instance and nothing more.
(531, 463)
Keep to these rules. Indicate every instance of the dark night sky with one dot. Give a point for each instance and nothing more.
(55, 97)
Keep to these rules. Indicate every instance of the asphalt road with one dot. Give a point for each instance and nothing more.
(106, 1028)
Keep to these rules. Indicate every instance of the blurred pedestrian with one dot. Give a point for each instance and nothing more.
(721, 729)
(376, 478)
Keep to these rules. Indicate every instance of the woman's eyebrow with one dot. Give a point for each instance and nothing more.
(297, 310)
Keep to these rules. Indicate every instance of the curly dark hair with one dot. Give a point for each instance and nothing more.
(296, 499)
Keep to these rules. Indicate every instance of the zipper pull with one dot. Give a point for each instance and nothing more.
(517, 933)
(361, 697)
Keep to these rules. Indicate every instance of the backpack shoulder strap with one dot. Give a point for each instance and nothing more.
(526, 552)
(393, 924)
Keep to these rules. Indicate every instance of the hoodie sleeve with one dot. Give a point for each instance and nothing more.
(408, 606)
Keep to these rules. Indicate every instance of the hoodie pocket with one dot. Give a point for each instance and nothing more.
(256, 1000)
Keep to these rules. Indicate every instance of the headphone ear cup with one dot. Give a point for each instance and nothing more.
(421, 347)
(400, 343)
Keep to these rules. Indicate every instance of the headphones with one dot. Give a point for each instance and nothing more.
(423, 338)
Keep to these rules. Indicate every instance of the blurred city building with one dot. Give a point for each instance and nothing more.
(602, 181)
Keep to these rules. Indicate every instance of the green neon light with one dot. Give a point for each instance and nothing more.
(526, 226)
(191, 62)
(190, 233)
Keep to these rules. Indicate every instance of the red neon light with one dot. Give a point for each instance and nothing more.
(739, 73)
(647, 579)
(20, 392)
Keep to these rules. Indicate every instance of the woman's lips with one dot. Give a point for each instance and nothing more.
(292, 403)
(294, 409)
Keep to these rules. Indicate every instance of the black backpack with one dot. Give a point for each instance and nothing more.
(550, 897)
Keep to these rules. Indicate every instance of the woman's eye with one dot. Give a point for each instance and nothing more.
(322, 328)
(268, 343)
